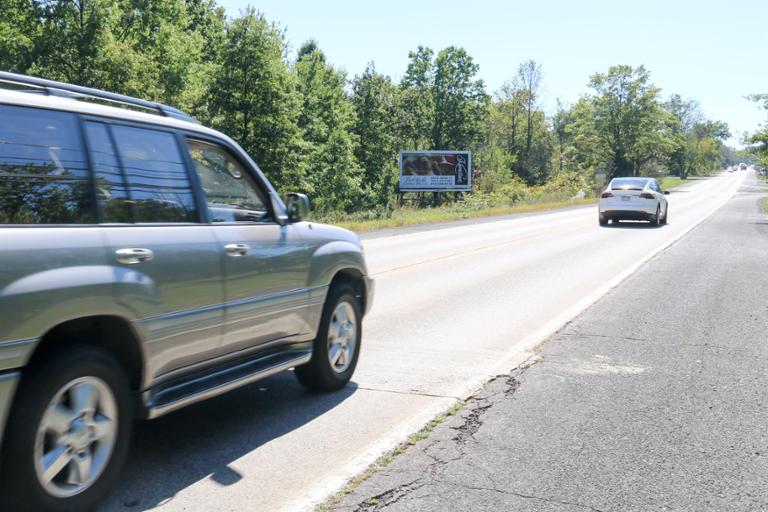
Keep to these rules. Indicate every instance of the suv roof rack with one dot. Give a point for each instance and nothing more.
(61, 89)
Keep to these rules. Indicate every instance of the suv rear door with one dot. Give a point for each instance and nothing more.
(167, 263)
(266, 264)
(52, 259)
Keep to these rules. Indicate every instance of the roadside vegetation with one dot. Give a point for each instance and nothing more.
(312, 128)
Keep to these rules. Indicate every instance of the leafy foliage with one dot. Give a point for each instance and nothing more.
(312, 129)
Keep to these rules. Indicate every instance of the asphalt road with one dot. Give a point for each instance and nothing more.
(455, 306)
(653, 399)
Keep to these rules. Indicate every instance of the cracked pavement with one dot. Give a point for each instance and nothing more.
(653, 399)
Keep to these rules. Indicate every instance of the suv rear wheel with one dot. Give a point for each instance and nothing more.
(337, 346)
(68, 435)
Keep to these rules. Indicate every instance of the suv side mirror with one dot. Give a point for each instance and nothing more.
(297, 206)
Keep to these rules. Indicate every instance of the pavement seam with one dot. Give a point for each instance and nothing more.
(409, 393)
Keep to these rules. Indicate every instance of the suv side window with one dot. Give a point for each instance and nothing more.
(111, 193)
(44, 175)
(231, 195)
(154, 169)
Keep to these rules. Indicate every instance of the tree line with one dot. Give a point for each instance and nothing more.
(759, 139)
(312, 128)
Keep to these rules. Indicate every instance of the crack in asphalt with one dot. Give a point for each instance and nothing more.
(389, 497)
(474, 420)
(586, 335)
(410, 393)
(466, 431)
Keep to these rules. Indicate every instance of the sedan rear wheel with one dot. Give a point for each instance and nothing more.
(656, 220)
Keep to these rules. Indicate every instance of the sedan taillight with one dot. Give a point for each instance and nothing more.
(606, 194)
(647, 195)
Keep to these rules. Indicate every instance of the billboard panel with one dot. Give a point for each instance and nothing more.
(435, 171)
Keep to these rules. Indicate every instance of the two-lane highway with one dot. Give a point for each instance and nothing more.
(455, 305)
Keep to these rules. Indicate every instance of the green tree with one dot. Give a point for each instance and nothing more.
(152, 49)
(629, 121)
(326, 122)
(254, 99)
(461, 104)
(19, 31)
(759, 139)
(374, 98)
(684, 116)
(416, 106)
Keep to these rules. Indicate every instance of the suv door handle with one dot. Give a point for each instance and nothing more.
(236, 250)
(134, 255)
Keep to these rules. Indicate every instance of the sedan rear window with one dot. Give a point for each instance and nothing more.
(629, 183)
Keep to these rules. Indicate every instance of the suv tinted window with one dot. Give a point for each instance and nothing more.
(158, 184)
(111, 192)
(43, 170)
(231, 196)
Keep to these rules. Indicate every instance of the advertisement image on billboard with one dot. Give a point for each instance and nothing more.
(435, 171)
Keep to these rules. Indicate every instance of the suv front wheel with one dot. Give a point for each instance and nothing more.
(68, 435)
(337, 346)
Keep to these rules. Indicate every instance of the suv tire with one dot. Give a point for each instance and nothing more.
(337, 347)
(73, 391)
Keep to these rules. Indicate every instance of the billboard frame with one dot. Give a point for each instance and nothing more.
(455, 188)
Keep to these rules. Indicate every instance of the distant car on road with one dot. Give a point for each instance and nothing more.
(743, 166)
(633, 199)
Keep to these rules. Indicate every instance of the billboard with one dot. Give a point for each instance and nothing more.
(435, 171)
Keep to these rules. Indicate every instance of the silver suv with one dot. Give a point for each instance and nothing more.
(146, 263)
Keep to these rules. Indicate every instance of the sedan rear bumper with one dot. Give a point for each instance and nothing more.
(628, 214)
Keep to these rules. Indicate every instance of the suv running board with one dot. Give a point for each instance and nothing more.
(187, 390)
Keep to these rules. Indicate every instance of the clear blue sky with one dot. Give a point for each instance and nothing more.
(711, 50)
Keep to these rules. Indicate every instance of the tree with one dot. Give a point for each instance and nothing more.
(629, 120)
(19, 31)
(460, 101)
(254, 98)
(759, 140)
(374, 98)
(416, 109)
(685, 114)
(560, 124)
(530, 77)
(326, 121)
(152, 49)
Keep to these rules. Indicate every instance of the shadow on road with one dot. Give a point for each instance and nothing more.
(201, 441)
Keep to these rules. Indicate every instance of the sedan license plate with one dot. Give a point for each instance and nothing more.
(625, 198)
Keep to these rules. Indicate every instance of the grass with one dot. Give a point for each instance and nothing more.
(671, 182)
(388, 458)
(412, 216)
(764, 204)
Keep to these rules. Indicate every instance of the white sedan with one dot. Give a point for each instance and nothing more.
(633, 199)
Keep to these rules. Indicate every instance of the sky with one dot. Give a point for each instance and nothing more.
(712, 51)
